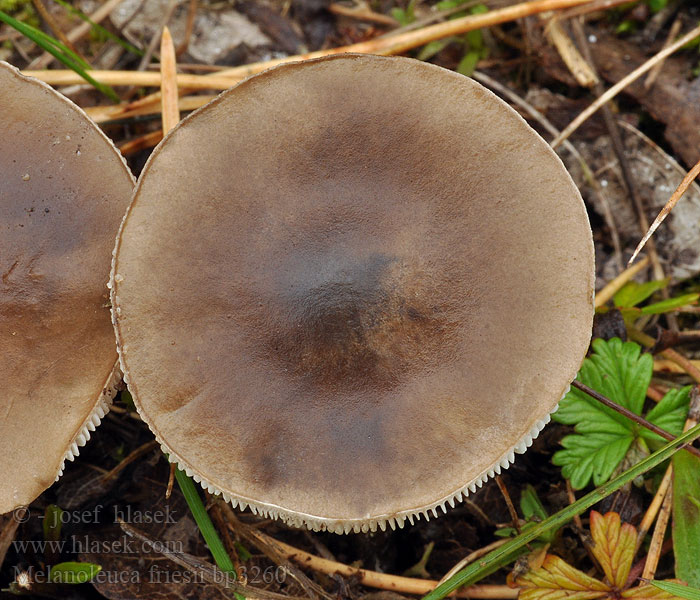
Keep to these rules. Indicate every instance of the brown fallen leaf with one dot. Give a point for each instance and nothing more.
(613, 548)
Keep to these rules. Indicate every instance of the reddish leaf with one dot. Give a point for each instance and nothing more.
(613, 546)
(557, 580)
(649, 592)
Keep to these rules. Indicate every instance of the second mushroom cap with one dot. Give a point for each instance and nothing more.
(63, 191)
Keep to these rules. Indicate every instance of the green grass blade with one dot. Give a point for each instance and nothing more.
(63, 54)
(42, 39)
(97, 27)
(677, 589)
(201, 517)
(686, 517)
(476, 571)
(206, 527)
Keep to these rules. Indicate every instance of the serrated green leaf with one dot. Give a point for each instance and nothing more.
(74, 572)
(669, 414)
(632, 293)
(619, 371)
(686, 517)
(670, 304)
(592, 456)
(677, 589)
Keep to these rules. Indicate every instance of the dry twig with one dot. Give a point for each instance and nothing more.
(654, 73)
(382, 581)
(614, 286)
(668, 207)
(168, 87)
(685, 364)
(654, 507)
(623, 83)
(567, 145)
(629, 414)
(389, 45)
(657, 538)
(78, 33)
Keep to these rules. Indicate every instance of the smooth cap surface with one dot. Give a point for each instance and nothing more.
(63, 191)
(348, 289)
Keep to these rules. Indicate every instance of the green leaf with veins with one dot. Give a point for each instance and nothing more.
(669, 414)
(603, 437)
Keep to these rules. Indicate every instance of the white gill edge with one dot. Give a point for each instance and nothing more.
(316, 523)
(109, 389)
(93, 420)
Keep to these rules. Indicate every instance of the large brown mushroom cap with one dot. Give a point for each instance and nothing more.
(348, 290)
(63, 191)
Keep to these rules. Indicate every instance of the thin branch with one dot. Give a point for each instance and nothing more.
(614, 286)
(51, 22)
(362, 12)
(224, 582)
(629, 414)
(189, 27)
(687, 365)
(79, 32)
(567, 145)
(668, 207)
(623, 83)
(389, 45)
(657, 538)
(654, 507)
(471, 557)
(654, 73)
(619, 150)
(375, 579)
(509, 503)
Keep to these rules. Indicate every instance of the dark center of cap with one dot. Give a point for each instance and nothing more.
(349, 320)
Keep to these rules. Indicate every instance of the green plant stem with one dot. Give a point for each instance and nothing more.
(476, 571)
(201, 517)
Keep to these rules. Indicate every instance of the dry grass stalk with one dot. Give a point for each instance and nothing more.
(168, 87)
(388, 45)
(623, 83)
